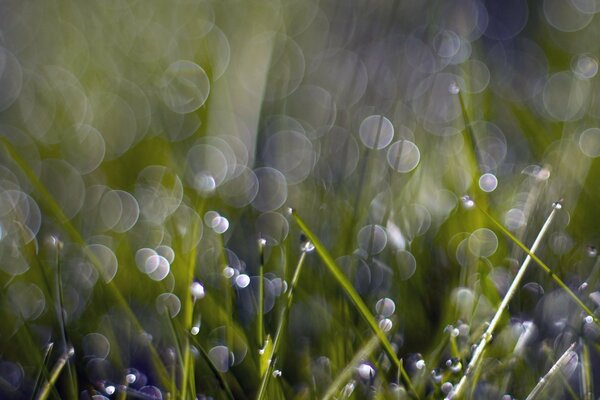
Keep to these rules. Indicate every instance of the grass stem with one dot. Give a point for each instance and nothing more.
(55, 373)
(488, 334)
(354, 298)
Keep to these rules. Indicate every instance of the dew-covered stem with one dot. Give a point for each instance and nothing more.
(488, 334)
(354, 298)
(261, 293)
(280, 329)
(545, 267)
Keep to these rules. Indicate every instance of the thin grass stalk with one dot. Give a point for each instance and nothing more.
(55, 373)
(562, 361)
(261, 293)
(280, 328)
(43, 367)
(488, 334)
(355, 299)
(188, 366)
(545, 267)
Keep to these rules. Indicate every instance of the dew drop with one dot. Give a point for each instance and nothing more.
(453, 88)
(467, 202)
(306, 245)
(365, 371)
(197, 290)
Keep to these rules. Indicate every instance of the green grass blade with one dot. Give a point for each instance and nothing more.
(54, 374)
(354, 298)
(261, 293)
(543, 265)
(270, 351)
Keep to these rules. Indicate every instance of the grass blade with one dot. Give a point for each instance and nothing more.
(261, 292)
(272, 349)
(55, 373)
(354, 298)
(487, 335)
(543, 265)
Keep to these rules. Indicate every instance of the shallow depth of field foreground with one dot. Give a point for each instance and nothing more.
(299, 199)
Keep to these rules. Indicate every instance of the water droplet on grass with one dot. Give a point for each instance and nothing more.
(365, 371)
(467, 202)
(197, 290)
(453, 88)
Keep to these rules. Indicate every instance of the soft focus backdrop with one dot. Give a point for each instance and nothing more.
(147, 146)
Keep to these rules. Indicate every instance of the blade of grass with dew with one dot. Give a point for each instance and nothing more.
(349, 369)
(270, 351)
(188, 311)
(564, 361)
(354, 298)
(49, 202)
(55, 373)
(545, 267)
(486, 338)
(261, 293)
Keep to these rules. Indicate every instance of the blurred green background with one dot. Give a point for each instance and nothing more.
(148, 145)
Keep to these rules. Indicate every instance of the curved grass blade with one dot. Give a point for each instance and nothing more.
(354, 298)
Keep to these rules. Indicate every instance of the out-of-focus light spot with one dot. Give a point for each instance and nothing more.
(488, 182)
